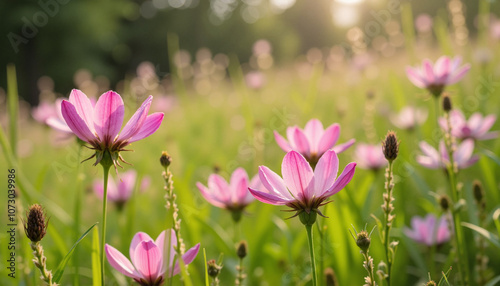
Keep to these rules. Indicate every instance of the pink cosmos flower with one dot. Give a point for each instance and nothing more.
(369, 156)
(433, 159)
(435, 77)
(301, 188)
(476, 127)
(409, 117)
(428, 230)
(100, 125)
(233, 196)
(149, 265)
(43, 111)
(120, 192)
(313, 141)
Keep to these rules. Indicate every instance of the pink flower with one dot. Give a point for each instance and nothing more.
(120, 192)
(301, 188)
(313, 141)
(370, 156)
(476, 127)
(233, 196)
(100, 125)
(149, 265)
(43, 111)
(433, 159)
(255, 80)
(435, 77)
(425, 230)
(409, 117)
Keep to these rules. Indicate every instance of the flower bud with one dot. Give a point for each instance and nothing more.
(241, 251)
(330, 277)
(478, 191)
(390, 146)
(446, 103)
(431, 283)
(444, 202)
(36, 223)
(363, 241)
(213, 268)
(165, 159)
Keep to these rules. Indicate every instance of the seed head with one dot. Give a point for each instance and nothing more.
(165, 159)
(36, 223)
(363, 240)
(478, 191)
(444, 202)
(390, 146)
(241, 251)
(446, 103)
(213, 268)
(431, 283)
(330, 277)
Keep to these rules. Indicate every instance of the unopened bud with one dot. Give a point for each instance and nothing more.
(213, 268)
(478, 191)
(241, 251)
(330, 277)
(363, 241)
(165, 159)
(390, 146)
(444, 202)
(446, 103)
(36, 223)
(431, 283)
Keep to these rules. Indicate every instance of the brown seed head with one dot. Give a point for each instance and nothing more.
(36, 223)
(363, 240)
(478, 191)
(446, 103)
(330, 277)
(165, 159)
(390, 146)
(444, 202)
(213, 268)
(241, 251)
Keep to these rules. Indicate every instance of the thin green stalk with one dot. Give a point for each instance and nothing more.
(76, 230)
(103, 229)
(13, 103)
(388, 220)
(311, 252)
(369, 267)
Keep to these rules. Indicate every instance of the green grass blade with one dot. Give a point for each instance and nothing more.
(408, 29)
(96, 262)
(13, 105)
(488, 235)
(206, 269)
(60, 270)
(184, 274)
(496, 219)
(493, 281)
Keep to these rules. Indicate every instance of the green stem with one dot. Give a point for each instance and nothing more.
(388, 221)
(103, 229)
(311, 251)
(76, 230)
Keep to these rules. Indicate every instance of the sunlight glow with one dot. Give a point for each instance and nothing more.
(345, 16)
(349, 1)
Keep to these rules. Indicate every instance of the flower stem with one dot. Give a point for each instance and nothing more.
(387, 208)
(40, 263)
(103, 229)
(311, 251)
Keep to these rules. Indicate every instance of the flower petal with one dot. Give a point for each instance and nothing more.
(342, 180)
(269, 198)
(329, 138)
(219, 188)
(238, 185)
(76, 123)
(274, 184)
(150, 125)
(58, 124)
(108, 116)
(325, 172)
(344, 146)
(301, 143)
(414, 76)
(282, 142)
(314, 132)
(188, 257)
(135, 123)
(83, 106)
(138, 238)
(211, 197)
(464, 151)
(120, 262)
(148, 260)
(298, 175)
(458, 75)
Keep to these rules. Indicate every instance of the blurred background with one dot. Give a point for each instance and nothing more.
(109, 39)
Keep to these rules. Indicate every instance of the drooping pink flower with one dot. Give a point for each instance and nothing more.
(301, 188)
(369, 156)
(429, 230)
(233, 196)
(409, 117)
(435, 77)
(149, 265)
(120, 192)
(433, 159)
(313, 141)
(100, 125)
(476, 127)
